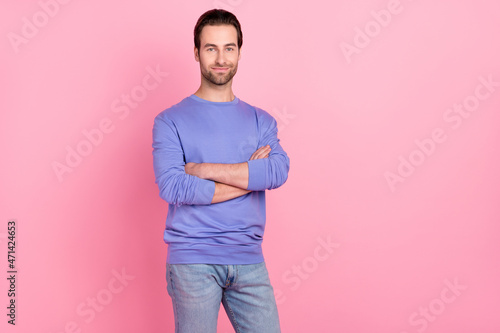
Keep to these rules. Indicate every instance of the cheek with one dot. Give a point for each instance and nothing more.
(209, 61)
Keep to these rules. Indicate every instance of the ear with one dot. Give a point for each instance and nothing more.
(239, 53)
(196, 55)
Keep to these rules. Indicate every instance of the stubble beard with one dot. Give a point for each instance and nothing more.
(219, 79)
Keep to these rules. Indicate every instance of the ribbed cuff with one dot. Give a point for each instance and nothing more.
(257, 174)
(204, 192)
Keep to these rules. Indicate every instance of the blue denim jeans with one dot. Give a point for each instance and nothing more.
(245, 291)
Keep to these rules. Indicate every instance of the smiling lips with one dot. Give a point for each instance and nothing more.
(220, 69)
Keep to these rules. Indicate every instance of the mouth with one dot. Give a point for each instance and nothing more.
(220, 69)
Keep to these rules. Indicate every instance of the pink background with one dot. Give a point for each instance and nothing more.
(345, 120)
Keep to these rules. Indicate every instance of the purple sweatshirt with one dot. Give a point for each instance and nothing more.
(201, 131)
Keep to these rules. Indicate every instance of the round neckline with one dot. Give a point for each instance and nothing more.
(199, 99)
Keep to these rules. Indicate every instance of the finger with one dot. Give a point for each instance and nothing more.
(260, 155)
(262, 152)
(255, 155)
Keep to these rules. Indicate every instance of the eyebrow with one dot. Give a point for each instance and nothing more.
(213, 45)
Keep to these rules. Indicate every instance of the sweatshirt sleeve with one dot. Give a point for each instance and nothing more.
(176, 186)
(272, 172)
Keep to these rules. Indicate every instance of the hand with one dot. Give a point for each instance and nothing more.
(191, 168)
(262, 152)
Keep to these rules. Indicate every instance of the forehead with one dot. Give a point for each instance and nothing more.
(218, 34)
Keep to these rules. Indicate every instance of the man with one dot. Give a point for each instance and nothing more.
(214, 156)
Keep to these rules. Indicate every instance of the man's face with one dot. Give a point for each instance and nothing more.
(218, 54)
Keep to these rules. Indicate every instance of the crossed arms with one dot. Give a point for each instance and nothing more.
(231, 180)
(191, 183)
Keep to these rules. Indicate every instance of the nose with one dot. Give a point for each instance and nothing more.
(220, 58)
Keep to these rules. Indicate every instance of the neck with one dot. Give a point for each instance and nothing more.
(215, 93)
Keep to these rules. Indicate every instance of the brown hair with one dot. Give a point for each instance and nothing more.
(217, 17)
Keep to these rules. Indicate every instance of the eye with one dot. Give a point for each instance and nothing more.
(229, 48)
(210, 49)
